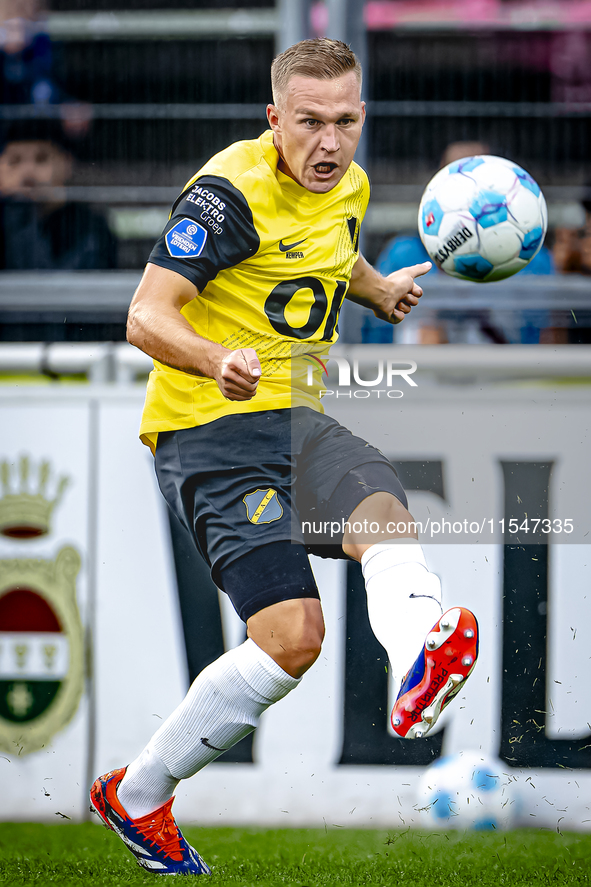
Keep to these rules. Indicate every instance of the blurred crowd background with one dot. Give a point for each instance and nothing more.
(108, 109)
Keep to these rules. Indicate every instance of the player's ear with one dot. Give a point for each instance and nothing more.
(273, 118)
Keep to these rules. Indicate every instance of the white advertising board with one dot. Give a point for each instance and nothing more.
(324, 754)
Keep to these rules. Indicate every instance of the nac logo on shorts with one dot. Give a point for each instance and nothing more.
(186, 239)
(263, 506)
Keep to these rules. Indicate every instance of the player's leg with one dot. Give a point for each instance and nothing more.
(224, 703)
(290, 632)
(226, 699)
(405, 612)
(239, 516)
(400, 588)
(352, 504)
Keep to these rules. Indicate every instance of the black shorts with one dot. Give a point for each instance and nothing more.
(252, 480)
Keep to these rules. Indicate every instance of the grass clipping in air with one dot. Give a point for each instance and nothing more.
(68, 854)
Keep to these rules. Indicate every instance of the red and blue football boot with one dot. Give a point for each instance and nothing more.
(155, 840)
(443, 666)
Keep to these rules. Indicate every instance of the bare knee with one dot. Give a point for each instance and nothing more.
(379, 517)
(299, 650)
(291, 632)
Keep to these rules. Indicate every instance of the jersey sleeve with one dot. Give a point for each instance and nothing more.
(210, 228)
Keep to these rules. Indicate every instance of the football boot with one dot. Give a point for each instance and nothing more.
(155, 840)
(440, 671)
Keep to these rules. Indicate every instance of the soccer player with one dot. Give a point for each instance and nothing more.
(241, 291)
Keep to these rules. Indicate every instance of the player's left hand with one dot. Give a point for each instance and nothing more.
(403, 293)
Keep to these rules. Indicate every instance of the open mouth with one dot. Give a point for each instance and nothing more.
(324, 169)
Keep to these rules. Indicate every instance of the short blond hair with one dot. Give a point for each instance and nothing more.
(320, 58)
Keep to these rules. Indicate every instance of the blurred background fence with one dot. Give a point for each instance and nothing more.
(145, 93)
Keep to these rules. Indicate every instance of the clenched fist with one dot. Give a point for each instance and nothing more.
(239, 374)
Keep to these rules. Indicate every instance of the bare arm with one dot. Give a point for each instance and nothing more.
(156, 326)
(391, 298)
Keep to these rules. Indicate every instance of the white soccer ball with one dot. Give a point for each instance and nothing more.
(482, 218)
(468, 790)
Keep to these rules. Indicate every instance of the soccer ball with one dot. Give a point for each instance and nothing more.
(467, 791)
(482, 218)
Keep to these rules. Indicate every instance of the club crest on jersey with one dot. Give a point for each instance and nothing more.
(186, 239)
(263, 506)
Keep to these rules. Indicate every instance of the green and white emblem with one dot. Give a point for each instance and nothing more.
(41, 650)
(41, 633)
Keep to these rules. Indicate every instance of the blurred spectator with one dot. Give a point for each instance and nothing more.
(428, 327)
(570, 64)
(572, 248)
(25, 55)
(26, 60)
(39, 229)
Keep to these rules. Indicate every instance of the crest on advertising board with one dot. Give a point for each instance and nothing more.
(41, 633)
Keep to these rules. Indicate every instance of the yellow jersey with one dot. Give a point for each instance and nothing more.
(272, 263)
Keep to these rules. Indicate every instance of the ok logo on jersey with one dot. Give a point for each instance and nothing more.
(278, 300)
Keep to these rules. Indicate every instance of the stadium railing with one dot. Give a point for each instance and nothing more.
(65, 323)
(122, 364)
(92, 306)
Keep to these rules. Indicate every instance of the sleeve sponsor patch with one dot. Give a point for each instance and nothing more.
(186, 239)
(195, 243)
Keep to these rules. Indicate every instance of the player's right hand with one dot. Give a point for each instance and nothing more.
(404, 292)
(239, 375)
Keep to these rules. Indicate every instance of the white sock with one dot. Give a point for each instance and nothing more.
(224, 704)
(403, 600)
(147, 784)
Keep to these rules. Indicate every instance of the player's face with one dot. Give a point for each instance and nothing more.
(317, 129)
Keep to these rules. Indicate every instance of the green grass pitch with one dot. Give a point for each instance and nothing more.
(86, 854)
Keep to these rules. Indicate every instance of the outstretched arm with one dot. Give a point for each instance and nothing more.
(156, 326)
(391, 298)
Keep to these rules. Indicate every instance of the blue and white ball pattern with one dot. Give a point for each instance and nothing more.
(482, 218)
(467, 791)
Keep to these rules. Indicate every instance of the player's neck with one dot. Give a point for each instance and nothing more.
(282, 165)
